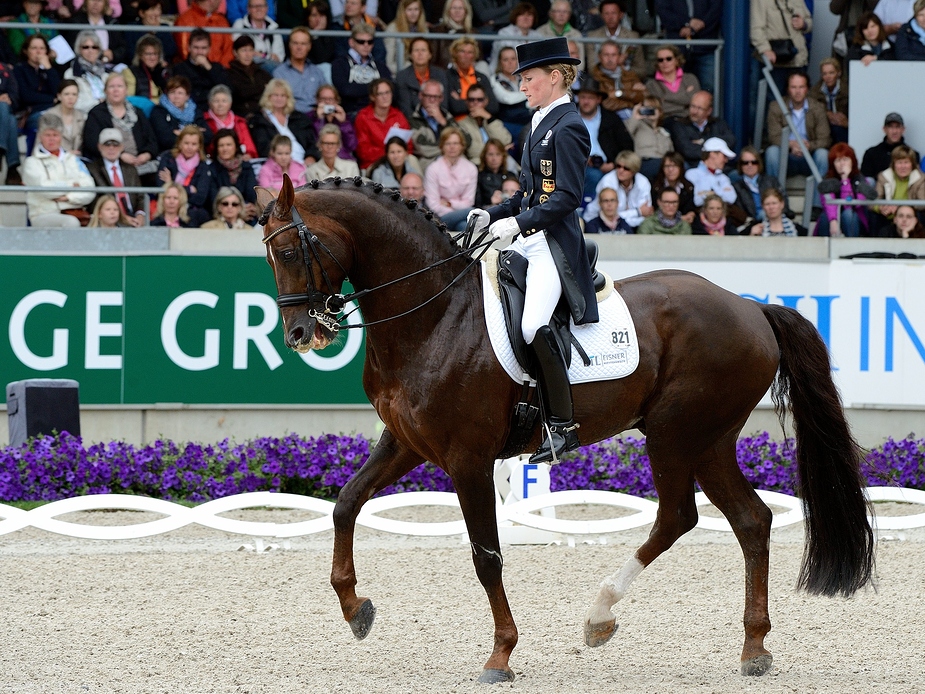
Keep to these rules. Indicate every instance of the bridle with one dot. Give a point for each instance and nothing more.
(326, 308)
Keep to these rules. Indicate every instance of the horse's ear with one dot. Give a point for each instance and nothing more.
(264, 197)
(283, 207)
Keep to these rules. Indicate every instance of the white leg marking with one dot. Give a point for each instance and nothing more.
(613, 588)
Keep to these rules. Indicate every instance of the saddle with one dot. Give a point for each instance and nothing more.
(512, 283)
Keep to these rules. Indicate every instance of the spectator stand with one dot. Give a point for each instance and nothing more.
(12, 198)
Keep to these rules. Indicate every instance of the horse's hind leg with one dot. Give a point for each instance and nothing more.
(726, 487)
(476, 493)
(677, 513)
(387, 462)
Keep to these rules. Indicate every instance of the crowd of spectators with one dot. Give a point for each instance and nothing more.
(206, 116)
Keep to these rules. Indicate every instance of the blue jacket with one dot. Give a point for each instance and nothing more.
(552, 182)
(203, 181)
(908, 45)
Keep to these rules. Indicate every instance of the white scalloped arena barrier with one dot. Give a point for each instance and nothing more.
(517, 513)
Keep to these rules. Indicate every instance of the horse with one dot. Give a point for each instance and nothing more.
(707, 357)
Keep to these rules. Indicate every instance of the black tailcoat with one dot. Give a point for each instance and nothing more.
(552, 182)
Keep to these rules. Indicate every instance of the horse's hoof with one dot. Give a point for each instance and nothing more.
(494, 676)
(362, 622)
(757, 666)
(599, 634)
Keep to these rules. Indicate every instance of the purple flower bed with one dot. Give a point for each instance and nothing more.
(49, 468)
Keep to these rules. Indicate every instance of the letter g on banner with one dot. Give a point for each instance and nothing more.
(209, 358)
(17, 332)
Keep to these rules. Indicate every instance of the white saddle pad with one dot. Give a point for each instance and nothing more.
(610, 343)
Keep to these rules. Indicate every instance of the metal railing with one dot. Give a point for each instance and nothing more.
(840, 203)
(147, 192)
(791, 127)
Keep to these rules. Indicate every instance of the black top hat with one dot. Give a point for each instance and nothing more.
(589, 84)
(548, 52)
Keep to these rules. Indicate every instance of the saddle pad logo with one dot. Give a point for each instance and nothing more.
(546, 167)
(548, 185)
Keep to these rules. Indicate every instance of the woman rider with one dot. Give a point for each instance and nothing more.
(543, 214)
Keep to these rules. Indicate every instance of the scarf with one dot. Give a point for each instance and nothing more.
(84, 66)
(567, 28)
(611, 225)
(675, 84)
(186, 168)
(186, 115)
(830, 95)
(126, 125)
(718, 229)
(233, 167)
(466, 80)
(227, 124)
(919, 31)
(789, 229)
(667, 222)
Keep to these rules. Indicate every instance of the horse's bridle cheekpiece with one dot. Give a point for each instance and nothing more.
(324, 308)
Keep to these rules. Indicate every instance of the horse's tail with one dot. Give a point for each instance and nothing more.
(839, 553)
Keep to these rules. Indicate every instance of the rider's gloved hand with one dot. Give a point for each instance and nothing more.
(482, 219)
(504, 230)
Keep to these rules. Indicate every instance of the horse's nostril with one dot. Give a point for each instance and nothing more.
(296, 335)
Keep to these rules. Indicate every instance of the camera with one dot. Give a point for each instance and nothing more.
(328, 109)
(646, 111)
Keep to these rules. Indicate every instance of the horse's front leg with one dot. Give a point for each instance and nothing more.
(476, 494)
(387, 462)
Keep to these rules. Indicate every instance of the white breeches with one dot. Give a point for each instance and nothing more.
(543, 284)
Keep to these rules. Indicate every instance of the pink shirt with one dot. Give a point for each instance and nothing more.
(271, 174)
(456, 184)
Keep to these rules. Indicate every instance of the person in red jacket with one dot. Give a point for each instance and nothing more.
(205, 15)
(378, 122)
(221, 117)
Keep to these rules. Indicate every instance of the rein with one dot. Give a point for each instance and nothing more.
(331, 304)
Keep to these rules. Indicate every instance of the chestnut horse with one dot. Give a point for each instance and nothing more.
(706, 359)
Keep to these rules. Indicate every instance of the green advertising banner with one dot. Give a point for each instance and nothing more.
(164, 329)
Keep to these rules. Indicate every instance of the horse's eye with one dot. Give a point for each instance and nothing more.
(288, 255)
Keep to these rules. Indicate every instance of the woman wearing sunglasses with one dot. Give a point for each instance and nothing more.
(228, 210)
(752, 183)
(670, 83)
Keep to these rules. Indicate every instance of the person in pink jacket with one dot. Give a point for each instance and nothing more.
(280, 162)
(450, 181)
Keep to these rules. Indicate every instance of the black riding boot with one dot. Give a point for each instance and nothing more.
(556, 392)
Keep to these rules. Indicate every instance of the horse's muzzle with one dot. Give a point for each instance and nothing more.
(306, 334)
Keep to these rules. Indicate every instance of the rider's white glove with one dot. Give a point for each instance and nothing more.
(482, 219)
(504, 230)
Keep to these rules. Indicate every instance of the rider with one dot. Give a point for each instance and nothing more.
(543, 214)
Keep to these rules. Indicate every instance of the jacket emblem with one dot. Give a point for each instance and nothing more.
(546, 167)
(548, 185)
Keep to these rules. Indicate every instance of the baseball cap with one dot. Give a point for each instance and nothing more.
(717, 144)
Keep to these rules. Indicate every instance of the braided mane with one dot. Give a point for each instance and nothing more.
(386, 196)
